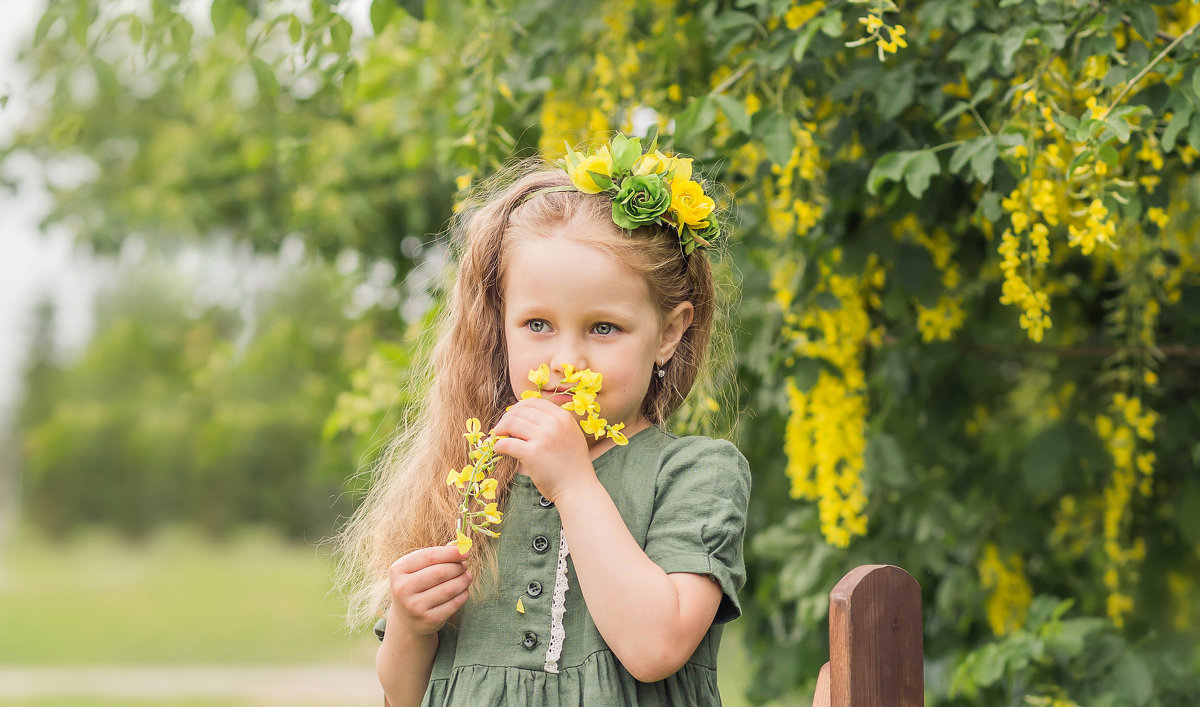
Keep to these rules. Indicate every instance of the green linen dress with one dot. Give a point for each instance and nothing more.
(684, 501)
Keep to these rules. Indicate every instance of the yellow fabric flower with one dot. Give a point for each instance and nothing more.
(679, 168)
(600, 163)
(651, 163)
(690, 204)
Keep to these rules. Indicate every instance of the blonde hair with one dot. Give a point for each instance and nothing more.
(409, 505)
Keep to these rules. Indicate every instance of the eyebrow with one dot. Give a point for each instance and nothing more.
(593, 314)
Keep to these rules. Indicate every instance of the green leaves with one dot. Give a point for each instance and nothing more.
(696, 118)
(981, 153)
(734, 111)
(382, 12)
(625, 152)
(774, 130)
(914, 167)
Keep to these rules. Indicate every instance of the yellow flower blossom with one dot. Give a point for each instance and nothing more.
(690, 204)
(599, 163)
(797, 15)
(540, 376)
(473, 434)
(464, 543)
(1010, 594)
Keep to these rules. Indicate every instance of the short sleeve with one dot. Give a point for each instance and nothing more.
(699, 517)
(380, 627)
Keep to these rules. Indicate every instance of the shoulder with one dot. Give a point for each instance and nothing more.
(698, 460)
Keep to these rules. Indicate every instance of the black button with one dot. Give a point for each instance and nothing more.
(529, 640)
(545, 502)
(540, 544)
(534, 589)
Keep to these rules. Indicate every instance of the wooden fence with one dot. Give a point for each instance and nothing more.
(876, 654)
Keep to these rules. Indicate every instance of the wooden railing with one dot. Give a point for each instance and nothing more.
(876, 654)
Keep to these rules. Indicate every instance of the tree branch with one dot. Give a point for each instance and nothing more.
(1129, 86)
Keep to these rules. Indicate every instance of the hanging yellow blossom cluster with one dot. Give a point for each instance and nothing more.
(793, 195)
(475, 479)
(939, 322)
(1010, 594)
(1025, 252)
(1128, 422)
(825, 436)
(876, 28)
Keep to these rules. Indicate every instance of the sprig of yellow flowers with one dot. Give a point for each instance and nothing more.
(583, 386)
(476, 482)
(475, 479)
(874, 23)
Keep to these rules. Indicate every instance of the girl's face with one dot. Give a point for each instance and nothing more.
(569, 302)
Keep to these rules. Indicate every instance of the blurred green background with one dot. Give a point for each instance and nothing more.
(968, 340)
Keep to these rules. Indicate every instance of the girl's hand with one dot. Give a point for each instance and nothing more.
(548, 443)
(428, 586)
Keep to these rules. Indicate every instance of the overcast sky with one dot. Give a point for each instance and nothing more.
(32, 265)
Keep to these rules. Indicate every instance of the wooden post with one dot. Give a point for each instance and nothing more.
(876, 654)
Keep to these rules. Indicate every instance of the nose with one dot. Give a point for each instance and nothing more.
(571, 352)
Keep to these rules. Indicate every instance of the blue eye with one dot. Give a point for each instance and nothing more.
(537, 325)
(604, 328)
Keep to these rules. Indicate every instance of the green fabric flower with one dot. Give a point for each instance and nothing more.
(641, 201)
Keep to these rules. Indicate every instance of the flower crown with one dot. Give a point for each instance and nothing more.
(650, 188)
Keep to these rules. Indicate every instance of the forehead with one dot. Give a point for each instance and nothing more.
(562, 271)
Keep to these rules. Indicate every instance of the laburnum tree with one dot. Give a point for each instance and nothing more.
(966, 234)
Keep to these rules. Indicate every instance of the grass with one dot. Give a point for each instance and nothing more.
(178, 599)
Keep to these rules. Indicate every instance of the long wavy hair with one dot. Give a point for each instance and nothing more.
(409, 505)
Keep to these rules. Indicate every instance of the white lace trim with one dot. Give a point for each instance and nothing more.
(558, 608)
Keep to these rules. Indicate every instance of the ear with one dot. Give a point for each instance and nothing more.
(675, 324)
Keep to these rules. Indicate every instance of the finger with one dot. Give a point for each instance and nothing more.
(521, 411)
(519, 427)
(512, 447)
(442, 613)
(441, 593)
(426, 556)
(433, 575)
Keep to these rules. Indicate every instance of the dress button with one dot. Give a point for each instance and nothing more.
(534, 589)
(540, 544)
(529, 640)
(545, 502)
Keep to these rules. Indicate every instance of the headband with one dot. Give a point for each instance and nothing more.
(647, 188)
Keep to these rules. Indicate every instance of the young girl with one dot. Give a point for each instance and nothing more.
(616, 565)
